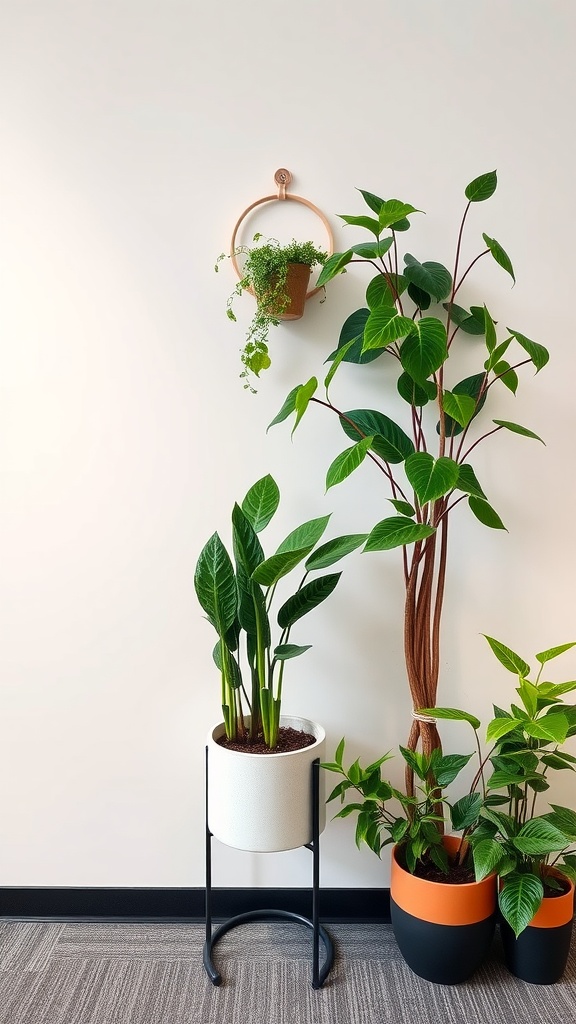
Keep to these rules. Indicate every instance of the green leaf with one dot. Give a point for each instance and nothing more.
(506, 375)
(490, 331)
(339, 755)
(302, 400)
(413, 393)
(485, 513)
(553, 727)
(465, 811)
(452, 715)
(333, 266)
(372, 201)
(538, 354)
(389, 440)
(331, 552)
(338, 357)
(501, 779)
(425, 350)
(362, 222)
(385, 325)
(500, 727)
(488, 854)
(496, 354)
(261, 503)
(274, 568)
(481, 188)
(420, 299)
(499, 255)
(392, 211)
(247, 548)
(468, 482)
(304, 536)
(286, 651)
(472, 386)
(460, 407)
(353, 331)
(373, 250)
(539, 837)
(517, 429)
(449, 767)
(287, 408)
(384, 290)
(432, 278)
(348, 460)
(307, 598)
(431, 478)
(565, 819)
(553, 652)
(215, 585)
(468, 322)
(397, 531)
(519, 900)
(403, 507)
(508, 658)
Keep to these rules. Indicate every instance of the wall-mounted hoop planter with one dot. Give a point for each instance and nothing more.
(282, 178)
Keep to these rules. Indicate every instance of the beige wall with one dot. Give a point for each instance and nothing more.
(133, 135)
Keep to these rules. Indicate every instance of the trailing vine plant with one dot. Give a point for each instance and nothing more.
(413, 320)
(264, 272)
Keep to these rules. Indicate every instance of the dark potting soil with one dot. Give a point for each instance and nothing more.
(288, 739)
(550, 892)
(458, 874)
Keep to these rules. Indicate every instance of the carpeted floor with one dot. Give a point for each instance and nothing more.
(95, 973)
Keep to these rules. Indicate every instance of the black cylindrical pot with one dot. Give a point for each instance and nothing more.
(443, 931)
(540, 953)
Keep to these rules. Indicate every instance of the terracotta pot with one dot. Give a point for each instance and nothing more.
(262, 802)
(443, 931)
(296, 288)
(540, 952)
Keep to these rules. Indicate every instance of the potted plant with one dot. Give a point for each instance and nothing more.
(278, 275)
(443, 917)
(534, 854)
(413, 320)
(259, 762)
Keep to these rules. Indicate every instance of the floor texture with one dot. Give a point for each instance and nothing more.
(95, 973)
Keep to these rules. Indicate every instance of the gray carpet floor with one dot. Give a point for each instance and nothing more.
(96, 973)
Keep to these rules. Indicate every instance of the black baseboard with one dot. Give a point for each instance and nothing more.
(353, 905)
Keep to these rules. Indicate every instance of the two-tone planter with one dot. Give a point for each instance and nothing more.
(540, 953)
(443, 931)
(263, 802)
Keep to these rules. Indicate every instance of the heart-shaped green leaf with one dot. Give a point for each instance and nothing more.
(424, 351)
(383, 326)
(434, 279)
(481, 188)
(431, 478)
(460, 407)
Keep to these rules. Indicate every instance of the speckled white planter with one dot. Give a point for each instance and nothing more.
(262, 802)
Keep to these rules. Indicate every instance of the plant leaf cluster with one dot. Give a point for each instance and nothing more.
(236, 592)
(264, 272)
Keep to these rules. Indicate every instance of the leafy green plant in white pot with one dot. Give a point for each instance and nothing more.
(413, 322)
(259, 762)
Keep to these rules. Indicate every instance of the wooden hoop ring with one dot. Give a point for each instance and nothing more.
(282, 177)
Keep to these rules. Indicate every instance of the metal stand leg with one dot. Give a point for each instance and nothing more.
(318, 932)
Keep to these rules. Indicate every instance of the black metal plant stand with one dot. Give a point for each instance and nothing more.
(319, 975)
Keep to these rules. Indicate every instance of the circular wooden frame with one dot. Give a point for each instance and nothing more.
(282, 179)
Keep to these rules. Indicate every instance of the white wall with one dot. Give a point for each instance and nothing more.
(133, 135)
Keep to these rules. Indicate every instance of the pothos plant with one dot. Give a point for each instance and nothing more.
(413, 321)
(237, 592)
(264, 272)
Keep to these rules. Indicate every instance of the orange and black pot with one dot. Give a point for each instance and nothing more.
(443, 931)
(540, 953)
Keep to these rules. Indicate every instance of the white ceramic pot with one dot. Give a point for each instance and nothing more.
(263, 802)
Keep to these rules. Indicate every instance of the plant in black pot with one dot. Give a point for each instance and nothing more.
(534, 854)
(414, 323)
(443, 917)
(260, 762)
(278, 276)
